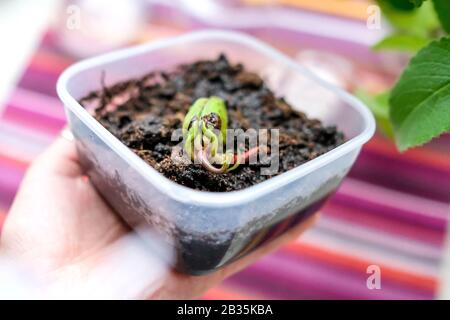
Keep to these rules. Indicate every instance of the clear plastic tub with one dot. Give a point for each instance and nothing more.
(208, 230)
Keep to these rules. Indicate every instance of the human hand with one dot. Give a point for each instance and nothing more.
(78, 247)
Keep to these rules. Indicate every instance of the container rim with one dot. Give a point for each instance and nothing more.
(206, 198)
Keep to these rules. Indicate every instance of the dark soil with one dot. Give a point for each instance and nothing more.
(144, 112)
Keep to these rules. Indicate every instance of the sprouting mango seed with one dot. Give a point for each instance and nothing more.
(209, 117)
(214, 115)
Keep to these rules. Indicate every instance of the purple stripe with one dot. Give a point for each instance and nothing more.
(287, 277)
(395, 213)
(6, 198)
(37, 80)
(391, 203)
(424, 181)
(386, 224)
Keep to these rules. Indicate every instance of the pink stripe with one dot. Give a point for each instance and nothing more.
(395, 199)
(9, 183)
(16, 153)
(36, 121)
(37, 103)
(11, 131)
(2, 219)
(10, 176)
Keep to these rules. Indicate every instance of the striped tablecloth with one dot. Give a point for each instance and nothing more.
(392, 210)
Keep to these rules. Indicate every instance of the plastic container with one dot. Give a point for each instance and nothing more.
(208, 230)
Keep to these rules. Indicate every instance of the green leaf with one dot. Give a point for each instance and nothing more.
(420, 22)
(194, 113)
(404, 5)
(442, 8)
(420, 101)
(379, 105)
(417, 3)
(402, 42)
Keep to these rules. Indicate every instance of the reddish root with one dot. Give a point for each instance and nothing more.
(201, 155)
(244, 157)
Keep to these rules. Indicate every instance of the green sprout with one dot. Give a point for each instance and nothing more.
(205, 129)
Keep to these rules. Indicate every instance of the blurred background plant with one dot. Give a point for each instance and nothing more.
(417, 108)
